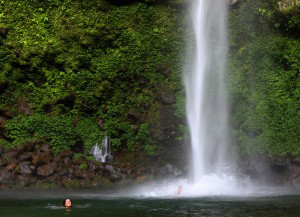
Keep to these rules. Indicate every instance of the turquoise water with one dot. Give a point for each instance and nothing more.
(83, 206)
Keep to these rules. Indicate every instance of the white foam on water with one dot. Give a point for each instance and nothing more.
(208, 185)
(221, 185)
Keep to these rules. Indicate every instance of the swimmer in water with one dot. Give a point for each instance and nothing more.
(67, 203)
(179, 190)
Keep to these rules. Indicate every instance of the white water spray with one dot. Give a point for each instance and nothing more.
(207, 111)
(205, 89)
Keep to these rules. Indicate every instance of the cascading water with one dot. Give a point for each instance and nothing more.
(205, 88)
(103, 153)
(207, 111)
(206, 107)
(212, 166)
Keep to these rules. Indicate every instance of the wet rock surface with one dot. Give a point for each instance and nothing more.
(275, 170)
(35, 165)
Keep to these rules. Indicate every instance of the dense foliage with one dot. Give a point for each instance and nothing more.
(73, 71)
(265, 77)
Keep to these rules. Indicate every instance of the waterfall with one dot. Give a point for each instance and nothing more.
(103, 153)
(206, 98)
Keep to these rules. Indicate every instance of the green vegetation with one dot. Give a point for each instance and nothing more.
(72, 72)
(83, 166)
(265, 77)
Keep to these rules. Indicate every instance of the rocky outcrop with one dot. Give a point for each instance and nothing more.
(169, 170)
(276, 170)
(36, 165)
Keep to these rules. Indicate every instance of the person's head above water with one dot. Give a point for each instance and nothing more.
(67, 203)
(180, 189)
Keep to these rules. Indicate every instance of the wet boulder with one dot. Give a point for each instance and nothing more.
(292, 175)
(1, 149)
(40, 158)
(296, 161)
(167, 98)
(25, 179)
(4, 174)
(84, 174)
(46, 157)
(62, 171)
(67, 161)
(2, 162)
(44, 147)
(23, 168)
(108, 158)
(12, 166)
(27, 147)
(10, 154)
(26, 156)
(66, 153)
(295, 182)
(46, 170)
(114, 174)
(92, 166)
(127, 169)
(169, 170)
(280, 162)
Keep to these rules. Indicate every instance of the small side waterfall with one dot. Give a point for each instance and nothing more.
(102, 153)
(205, 88)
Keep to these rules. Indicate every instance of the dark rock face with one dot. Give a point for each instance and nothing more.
(44, 147)
(46, 157)
(46, 170)
(4, 174)
(167, 99)
(261, 169)
(28, 147)
(1, 150)
(36, 165)
(169, 170)
(12, 166)
(276, 170)
(25, 156)
(66, 153)
(10, 154)
(113, 174)
(83, 174)
(66, 161)
(293, 175)
(25, 180)
(23, 168)
(296, 161)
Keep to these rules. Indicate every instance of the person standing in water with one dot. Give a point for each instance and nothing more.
(67, 203)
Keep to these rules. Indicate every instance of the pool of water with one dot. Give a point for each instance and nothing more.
(49, 204)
